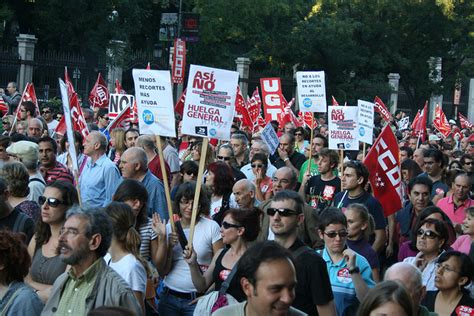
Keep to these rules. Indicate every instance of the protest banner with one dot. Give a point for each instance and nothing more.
(118, 102)
(99, 95)
(365, 121)
(155, 102)
(343, 133)
(311, 91)
(270, 137)
(404, 123)
(272, 98)
(70, 134)
(210, 102)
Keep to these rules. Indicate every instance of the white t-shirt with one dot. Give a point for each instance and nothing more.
(206, 233)
(131, 270)
(216, 205)
(52, 126)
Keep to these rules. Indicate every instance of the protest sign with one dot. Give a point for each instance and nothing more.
(365, 120)
(343, 127)
(272, 98)
(311, 91)
(404, 123)
(118, 102)
(270, 137)
(210, 102)
(69, 125)
(155, 102)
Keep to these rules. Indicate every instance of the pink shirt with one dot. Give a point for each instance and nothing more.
(456, 215)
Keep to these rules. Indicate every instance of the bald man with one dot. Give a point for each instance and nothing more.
(244, 194)
(134, 165)
(286, 156)
(410, 276)
(35, 128)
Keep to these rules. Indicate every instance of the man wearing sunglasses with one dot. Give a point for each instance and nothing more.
(47, 114)
(103, 121)
(313, 290)
(349, 273)
(225, 153)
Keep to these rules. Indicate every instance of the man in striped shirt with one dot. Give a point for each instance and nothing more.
(51, 169)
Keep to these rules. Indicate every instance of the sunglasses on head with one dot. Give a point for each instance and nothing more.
(427, 233)
(255, 165)
(333, 234)
(223, 158)
(271, 211)
(226, 225)
(51, 201)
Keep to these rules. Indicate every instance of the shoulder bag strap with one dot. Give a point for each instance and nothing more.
(225, 285)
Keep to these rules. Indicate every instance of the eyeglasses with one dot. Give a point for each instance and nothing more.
(190, 173)
(5, 122)
(468, 163)
(46, 112)
(51, 201)
(226, 225)
(223, 158)
(440, 267)
(285, 212)
(186, 202)
(105, 118)
(282, 181)
(257, 165)
(69, 231)
(298, 134)
(333, 234)
(427, 233)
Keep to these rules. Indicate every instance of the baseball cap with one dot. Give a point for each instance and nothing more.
(25, 150)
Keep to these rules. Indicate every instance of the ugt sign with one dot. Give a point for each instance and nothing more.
(272, 98)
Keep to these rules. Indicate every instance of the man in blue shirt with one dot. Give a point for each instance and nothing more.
(100, 177)
(134, 165)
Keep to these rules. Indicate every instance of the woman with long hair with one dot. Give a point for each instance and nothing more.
(196, 154)
(17, 177)
(454, 272)
(179, 292)
(46, 265)
(239, 228)
(220, 181)
(124, 251)
(117, 144)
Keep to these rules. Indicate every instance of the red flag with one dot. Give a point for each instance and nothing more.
(148, 67)
(415, 120)
(420, 128)
(254, 106)
(29, 95)
(99, 96)
(259, 124)
(179, 107)
(382, 109)
(121, 120)
(179, 61)
(272, 98)
(464, 121)
(308, 119)
(334, 101)
(118, 87)
(440, 122)
(78, 121)
(61, 127)
(241, 108)
(3, 107)
(134, 115)
(382, 161)
(287, 114)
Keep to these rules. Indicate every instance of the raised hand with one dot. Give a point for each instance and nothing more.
(158, 225)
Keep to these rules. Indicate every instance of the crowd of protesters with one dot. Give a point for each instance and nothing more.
(275, 234)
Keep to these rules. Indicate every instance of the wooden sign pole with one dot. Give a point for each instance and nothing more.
(165, 182)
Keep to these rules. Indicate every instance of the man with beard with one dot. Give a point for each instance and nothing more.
(90, 283)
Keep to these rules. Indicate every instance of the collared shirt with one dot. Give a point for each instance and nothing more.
(98, 182)
(429, 272)
(76, 290)
(343, 289)
(156, 195)
(456, 213)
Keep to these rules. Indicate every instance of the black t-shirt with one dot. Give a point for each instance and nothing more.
(24, 224)
(464, 307)
(322, 192)
(313, 287)
(297, 160)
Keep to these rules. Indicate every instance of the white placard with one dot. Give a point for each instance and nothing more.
(343, 127)
(270, 137)
(210, 102)
(118, 102)
(154, 102)
(311, 91)
(404, 123)
(365, 120)
(69, 129)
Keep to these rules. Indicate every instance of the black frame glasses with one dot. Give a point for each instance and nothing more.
(227, 225)
(51, 201)
(271, 211)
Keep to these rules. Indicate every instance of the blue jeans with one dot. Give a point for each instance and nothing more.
(172, 305)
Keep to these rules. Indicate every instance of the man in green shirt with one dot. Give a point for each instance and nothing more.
(319, 142)
(90, 283)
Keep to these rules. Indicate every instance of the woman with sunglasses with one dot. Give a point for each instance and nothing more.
(300, 142)
(239, 228)
(179, 292)
(431, 240)
(46, 265)
(454, 271)
(7, 124)
(263, 183)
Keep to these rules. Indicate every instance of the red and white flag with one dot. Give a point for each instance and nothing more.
(382, 161)
(99, 96)
(3, 107)
(420, 128)
(123, 119)
(415, 120)
(287, 114)
(440, 122)
(118, 88)
(382, 109)
(29, 95)
(308, 119)
(148, 67)
(61, 128)
(179, 107)
(179, 61)
(254, 106)
(78, 121)
(334, 101)
(464, 121)
(241, 107)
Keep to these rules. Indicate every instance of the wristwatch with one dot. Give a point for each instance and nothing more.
(354, 270)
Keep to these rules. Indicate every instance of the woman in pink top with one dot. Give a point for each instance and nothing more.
(464, 242)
